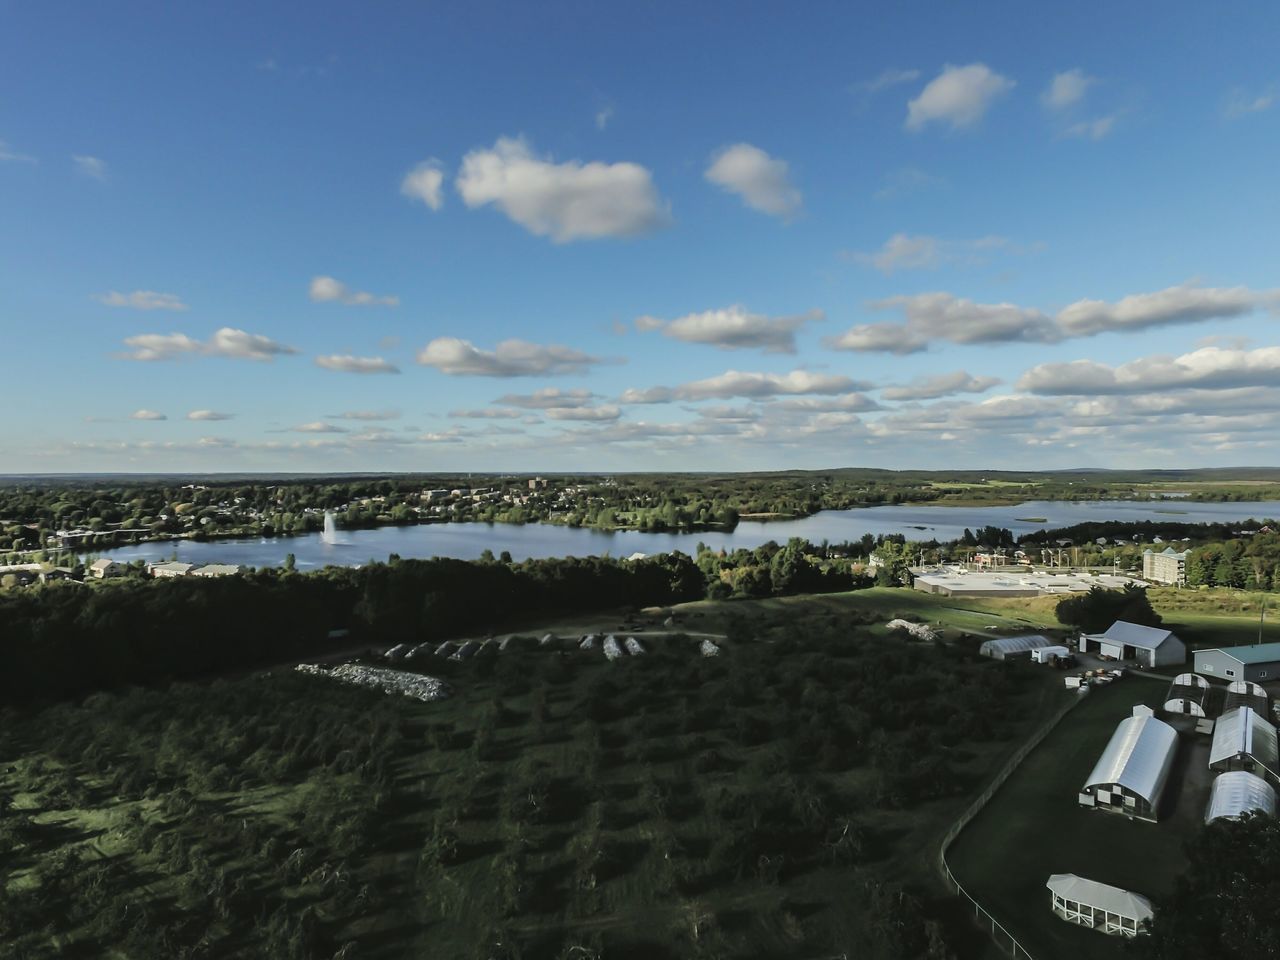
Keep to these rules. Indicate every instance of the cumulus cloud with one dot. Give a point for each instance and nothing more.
(1066, 89)
(958, 96)
(1210, 368)
(147, 415)
(510, 358)
(226, 342)
(735, 383)
(488, 413)
(942, 316)
(345, 363)
(546, 398)
(318, 426)
(564, 201)
(884, 80)
(209, 415)
(425, 182)
(734, 328)
(584, 413)
(759, 179)
(1185, 303)
(329, 290)
(366, 415)
(940, 385)
(142, 300)
(92, 167)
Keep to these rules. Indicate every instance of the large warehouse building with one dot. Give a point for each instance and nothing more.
(1256, 662)
(1150, 646)
(1133, 770)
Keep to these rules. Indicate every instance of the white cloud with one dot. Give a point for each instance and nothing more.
(735, 383)
(734, 328)
(584, 413)
(209, 415)
(565, 201)
(510, 358)
(940, 385)
(1092, 129)
(943, 316)
(903, 252)
(318, 426)
(959, 96)
(761, 180)
(226, 342)
(1185, 303)
(9, 155)
(366, 415)
(329, 290)
(603, 116)
(147, 415)
(345, 363)
(1239, 103)
(425, 182)
(142, 300)
(905, 181)
(92, 167)
(548, 397)
(1210, 368)
(891, 77)
(1067, 89)
(488, 413)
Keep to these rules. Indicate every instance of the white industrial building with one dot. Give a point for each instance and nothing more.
(1133, 770)
(1238, 792)
(1244, 740)
(1099, 906)
(1187, 695)
(1150, 646)
(1004, 647)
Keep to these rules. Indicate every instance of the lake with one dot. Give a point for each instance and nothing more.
(466, 541)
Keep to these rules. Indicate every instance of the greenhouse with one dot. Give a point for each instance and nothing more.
(1239, 792)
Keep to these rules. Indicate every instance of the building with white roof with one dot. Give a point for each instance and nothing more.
(1150, 646)
(1003, 647)
(1099, 906)
(1239, 792)
(1133, 770)
(1244, 740)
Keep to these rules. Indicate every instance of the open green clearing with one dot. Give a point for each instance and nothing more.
(1034, 827)
(769, 802)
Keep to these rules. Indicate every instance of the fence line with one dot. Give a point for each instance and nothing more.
(1001, 937)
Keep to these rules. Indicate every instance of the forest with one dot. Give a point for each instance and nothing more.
(778, 800)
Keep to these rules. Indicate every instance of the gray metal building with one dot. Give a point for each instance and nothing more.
(1257, 662)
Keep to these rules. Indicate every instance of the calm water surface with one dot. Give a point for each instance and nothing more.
(466, 541)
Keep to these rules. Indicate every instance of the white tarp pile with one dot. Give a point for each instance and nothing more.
(709, 649)
(633, 647)
(588, 642)
(920, 631)
(413, 685)
(611, 649)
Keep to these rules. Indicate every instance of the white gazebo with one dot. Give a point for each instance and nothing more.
(1098, 906)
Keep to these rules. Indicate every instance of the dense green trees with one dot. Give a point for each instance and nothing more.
(1098, 609)
(1224, 904)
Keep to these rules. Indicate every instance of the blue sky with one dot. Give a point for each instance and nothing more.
(594, 237)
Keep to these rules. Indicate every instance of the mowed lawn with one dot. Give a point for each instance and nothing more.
(1035, 827)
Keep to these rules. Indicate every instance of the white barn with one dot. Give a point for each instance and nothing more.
(1244, 740)
(1150, 646)
(1239, 792)
(1133, 770)
(1099, 906)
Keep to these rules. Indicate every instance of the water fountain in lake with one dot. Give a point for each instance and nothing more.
(330, 534)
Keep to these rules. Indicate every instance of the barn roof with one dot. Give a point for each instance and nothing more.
(1103, 896)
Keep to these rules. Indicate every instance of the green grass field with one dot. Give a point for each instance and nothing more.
(1035, 827)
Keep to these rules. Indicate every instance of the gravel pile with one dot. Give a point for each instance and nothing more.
(709, 649)
(633, 647)
(611, 649)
